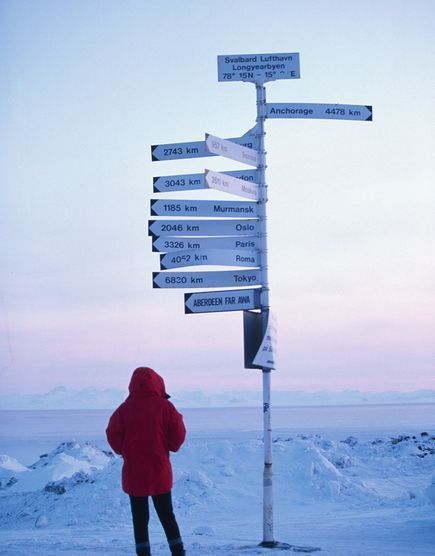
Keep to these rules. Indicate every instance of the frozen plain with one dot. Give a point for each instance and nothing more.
(351, 481)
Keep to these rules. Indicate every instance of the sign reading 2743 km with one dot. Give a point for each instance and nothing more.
(258, 68)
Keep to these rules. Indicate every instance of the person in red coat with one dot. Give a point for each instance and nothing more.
(143, 430)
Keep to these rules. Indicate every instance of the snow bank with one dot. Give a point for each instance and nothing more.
(67, 460)
(430, 492)
(79, 484)
(10, 469)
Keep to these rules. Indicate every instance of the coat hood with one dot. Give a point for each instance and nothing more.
(146, 382)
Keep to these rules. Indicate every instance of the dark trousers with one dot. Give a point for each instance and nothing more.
(140, 512)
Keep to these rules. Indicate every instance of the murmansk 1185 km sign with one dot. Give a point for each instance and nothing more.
(258, 68)
(203, 207)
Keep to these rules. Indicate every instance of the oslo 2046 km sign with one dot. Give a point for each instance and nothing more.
(231, 233)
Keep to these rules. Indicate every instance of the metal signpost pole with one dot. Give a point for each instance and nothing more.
(268, 538)
(230, 241)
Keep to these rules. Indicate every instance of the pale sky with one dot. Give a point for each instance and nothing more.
(88, 86)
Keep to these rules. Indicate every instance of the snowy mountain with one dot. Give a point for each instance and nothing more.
(94, 398)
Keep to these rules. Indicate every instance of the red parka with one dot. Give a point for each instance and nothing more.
(143, 430)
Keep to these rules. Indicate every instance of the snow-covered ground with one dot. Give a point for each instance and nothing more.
(348, 495)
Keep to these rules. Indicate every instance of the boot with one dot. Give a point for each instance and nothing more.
(143, 549)
(177, 547)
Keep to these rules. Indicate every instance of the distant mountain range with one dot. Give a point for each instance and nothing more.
(93, 398)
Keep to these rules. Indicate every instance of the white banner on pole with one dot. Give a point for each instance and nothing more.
(266, 355)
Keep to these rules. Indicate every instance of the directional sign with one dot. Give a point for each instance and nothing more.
(212, 279)
(323, 111)
(230, 149)
(221, 257)
(179, 207)
(258, 68)
(171, 244)
(226, 300)
(187, 182)
(197, 149)
(202, 227)
(236, 186)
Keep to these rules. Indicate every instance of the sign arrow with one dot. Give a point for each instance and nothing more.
(258, 68)
(226, 300)
(231, 149)
(215, 279)
(322, 111)
(197, 149)
(179, 207)
(187, 182)
(229, 184)
(170, 244)
(221, 257)
(203, 227)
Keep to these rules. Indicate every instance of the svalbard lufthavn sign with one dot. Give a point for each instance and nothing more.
(187, 182)
(321, 111)
(226, 209)
(231, 149)
(198, 149)
(207, 279)
(229, 184)
(234, 227)
(258, 68)
(166, 244)
(225, 300)
(221, 257)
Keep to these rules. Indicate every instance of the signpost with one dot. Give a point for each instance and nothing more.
(229, 184)
(188, 182)
(226, 300)
(258, 68)
(219, 209)
(230, 149)
(168, 244)
(207, 279)
(191, 228)
(240, 239)
(322, 111)
(220, 257)
(198, 149)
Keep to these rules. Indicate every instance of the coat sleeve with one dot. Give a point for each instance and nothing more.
(176, 429)
(115, 432)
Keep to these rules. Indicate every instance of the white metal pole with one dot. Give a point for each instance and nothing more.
(268, 537)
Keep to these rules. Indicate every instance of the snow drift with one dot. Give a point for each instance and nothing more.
(78, 483)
